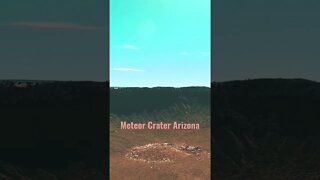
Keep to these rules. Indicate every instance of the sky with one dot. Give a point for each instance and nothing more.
(265, 39)
(54, 40)
(160, 43)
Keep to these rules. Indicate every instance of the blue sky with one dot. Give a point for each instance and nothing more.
(159, 43)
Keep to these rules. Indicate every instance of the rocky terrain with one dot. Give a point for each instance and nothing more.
(165, 153)
(160, 154)
(266, 129)
(262, 129)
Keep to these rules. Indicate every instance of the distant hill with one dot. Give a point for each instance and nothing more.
(127, 101)
(263, 125)
(165, 104)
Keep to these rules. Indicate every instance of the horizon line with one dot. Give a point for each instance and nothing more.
(157, 86)
(53, 80)
(266, 78)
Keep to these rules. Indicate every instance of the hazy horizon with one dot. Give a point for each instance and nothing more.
(54, 40)
(66, 80)
(264, 78)
(265, 39)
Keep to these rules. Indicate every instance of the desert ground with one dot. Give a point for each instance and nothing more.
(181, 165)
